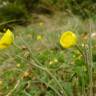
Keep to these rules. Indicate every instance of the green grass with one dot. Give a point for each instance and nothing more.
(34, 67)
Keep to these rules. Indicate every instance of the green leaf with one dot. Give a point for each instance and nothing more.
(68, 88)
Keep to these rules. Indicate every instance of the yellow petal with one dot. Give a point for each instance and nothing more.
(68, 39)
(7, 39)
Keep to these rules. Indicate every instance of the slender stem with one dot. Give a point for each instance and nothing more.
(10, 21)
(90, 63)
(82, 53)
(12, 90)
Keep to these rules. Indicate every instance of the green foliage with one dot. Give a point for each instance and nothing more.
(82, 8)
(21, 9)
(13, 12)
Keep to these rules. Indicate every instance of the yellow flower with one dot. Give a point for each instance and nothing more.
(7, 39)
(39, 37)
(1, 82)
(26, 74)
(18, 65)
(68, 39)
(41, 24)
(51, 62)
(55, 60)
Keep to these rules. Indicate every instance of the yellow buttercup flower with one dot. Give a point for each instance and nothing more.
(51, 62)
(39, 37)
(41, 24)
(68, 39)
(55, 60)
(7, 39)
(18, 65)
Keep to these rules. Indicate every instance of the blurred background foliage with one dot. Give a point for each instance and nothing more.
(22, 9)
(21, 12)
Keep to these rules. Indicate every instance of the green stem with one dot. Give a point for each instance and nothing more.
(83, 53)
(90, 64)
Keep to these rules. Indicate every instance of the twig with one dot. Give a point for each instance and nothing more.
(27, 94)
(15, 87)
(11, 21)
